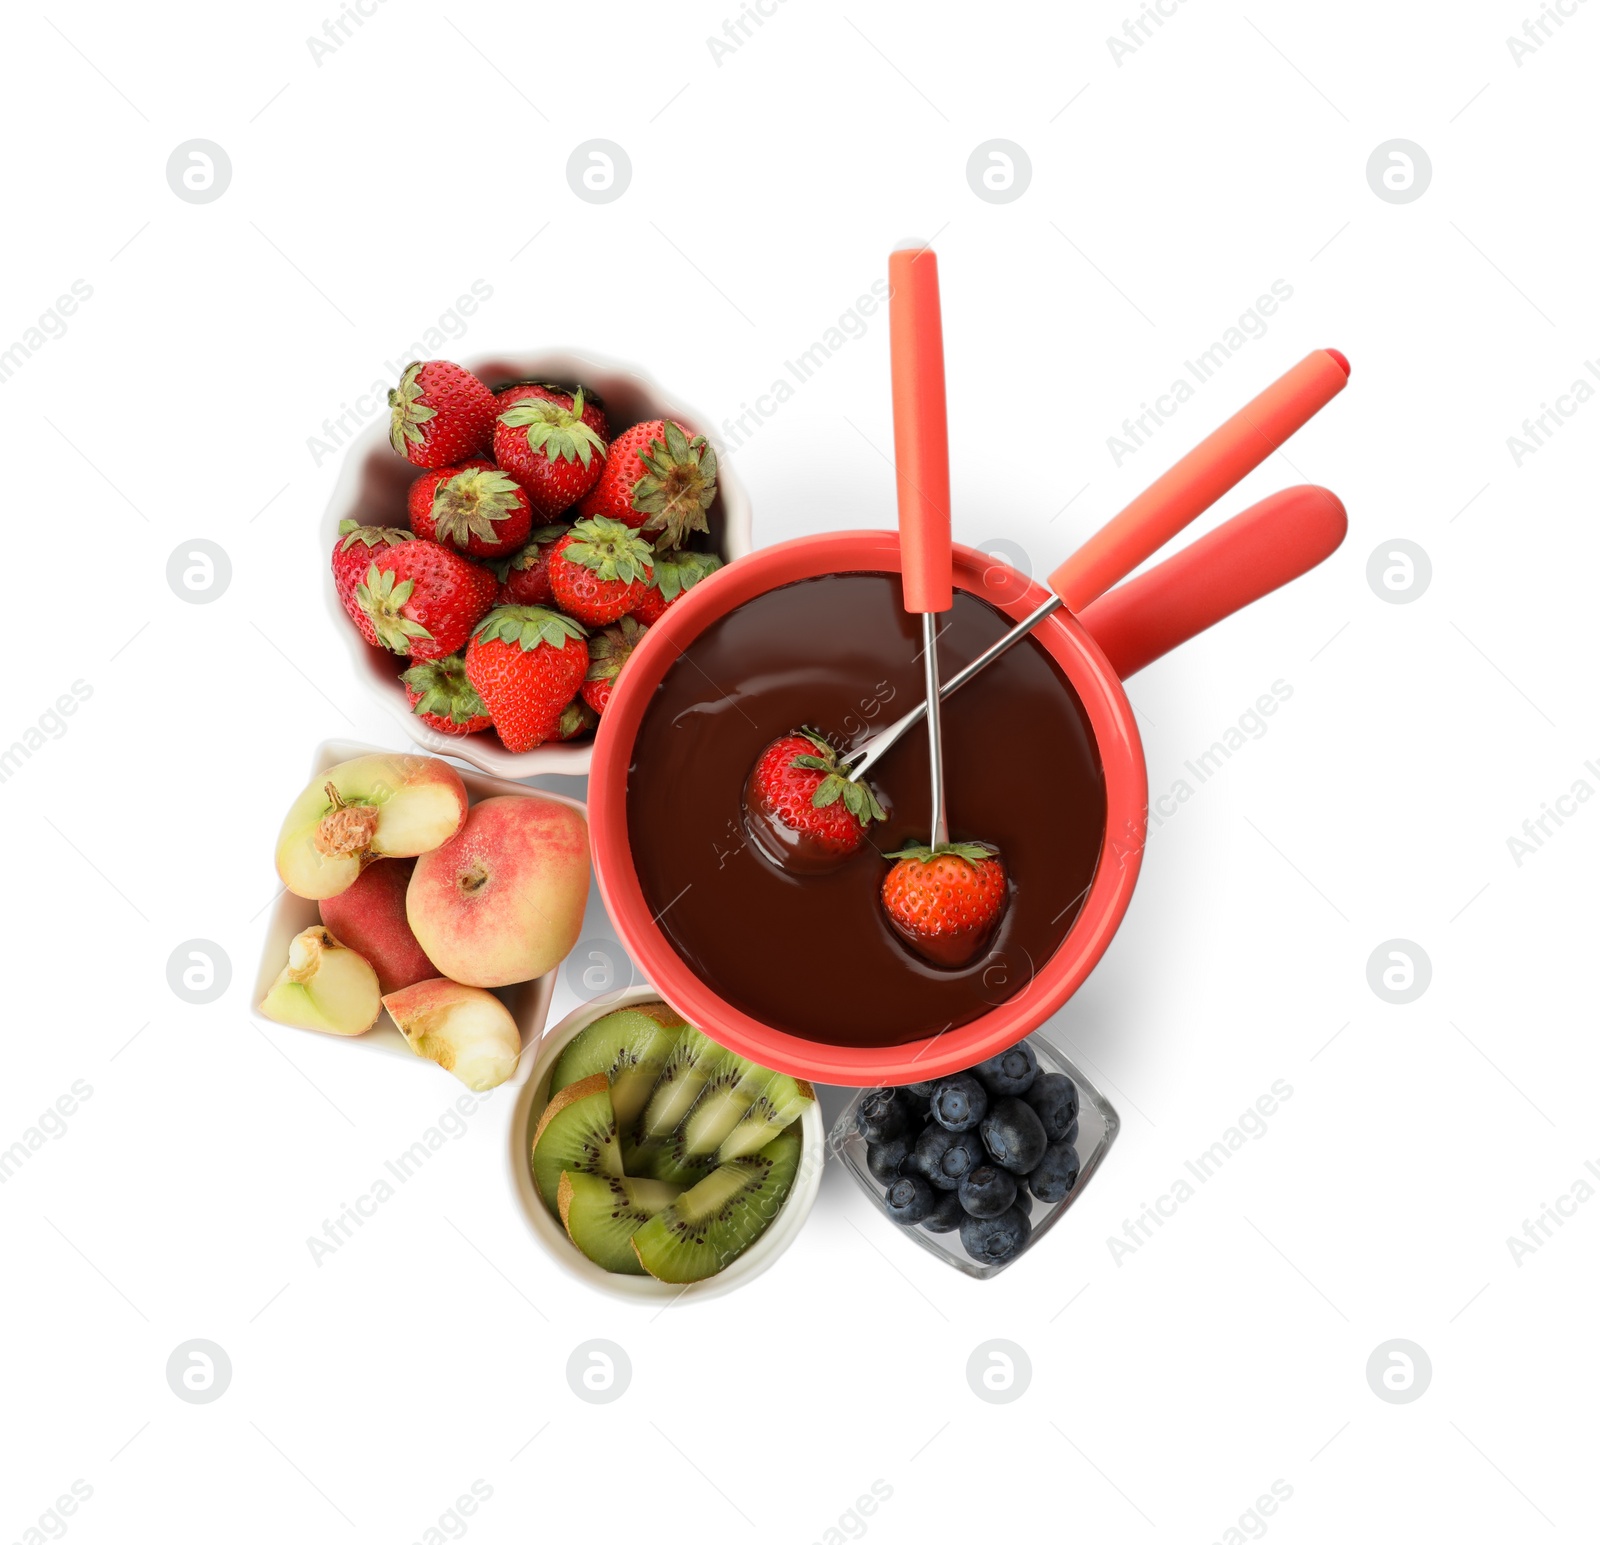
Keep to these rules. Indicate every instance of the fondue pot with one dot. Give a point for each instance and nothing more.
(1101, 636)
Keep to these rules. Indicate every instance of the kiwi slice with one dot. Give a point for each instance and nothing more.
(665, 1158)
(630, 1047)
(718, 1218)
(577, 1133)
(602, 1213)
(779, 1101)
(731, 1088)
(689, 1065)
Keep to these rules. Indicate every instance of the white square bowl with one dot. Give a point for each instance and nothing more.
(529, 1002)
(531, 1101)
(371, 490)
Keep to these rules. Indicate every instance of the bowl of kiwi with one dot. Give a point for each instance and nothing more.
(653, 1163)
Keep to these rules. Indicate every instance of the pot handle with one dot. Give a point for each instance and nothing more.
(1195, 482)
(1284, 536)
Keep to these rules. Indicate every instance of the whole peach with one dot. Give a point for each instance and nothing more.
(502, 901)
(371, 917)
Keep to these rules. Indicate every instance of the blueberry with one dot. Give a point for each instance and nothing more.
(946, 1215)
(987, 1192)
(909, 1199)
(925, 1088)
(959, 1102)
(995, 1240)
(1054, 1098)
(963, 1153)
(1056, 1173)
(1024, 1201)
(942, 1158)
(918, 1107)
(884, 1159)
(927, 1151)
(881, 1116)
(1011, 1072)
(1014, 1136)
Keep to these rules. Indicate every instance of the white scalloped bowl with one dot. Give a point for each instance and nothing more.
(372, 488)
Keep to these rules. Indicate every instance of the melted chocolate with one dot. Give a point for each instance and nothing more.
(814, 954)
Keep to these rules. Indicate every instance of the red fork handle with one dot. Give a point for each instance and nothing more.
(921, 432)
(1279, 539)
(1194, 483)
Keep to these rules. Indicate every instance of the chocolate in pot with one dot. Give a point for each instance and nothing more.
(813, 954)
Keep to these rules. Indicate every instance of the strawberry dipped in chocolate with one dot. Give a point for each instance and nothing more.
(946, 902)
(802, 809)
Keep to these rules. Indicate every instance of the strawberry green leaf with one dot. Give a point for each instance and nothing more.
(863, 803)
(370, 536)
(560, 433)
(528, 627)
(442, 688)
(609, 650)
(823, 745)
(407, 411)
(679, 484)
(611, 549)
(857, 798)
(973, 852)
(382, 599)
(468, 504)
(838, 786)
(677, 572)
(530, 553)
(828, 791)
(576, 717)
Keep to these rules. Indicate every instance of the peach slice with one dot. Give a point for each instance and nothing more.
(324, 987)
(467, 1031)
(378, 806)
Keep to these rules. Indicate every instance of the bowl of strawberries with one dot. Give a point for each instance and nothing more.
(507, 534)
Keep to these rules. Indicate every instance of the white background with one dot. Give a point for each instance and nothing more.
(1168, 1391)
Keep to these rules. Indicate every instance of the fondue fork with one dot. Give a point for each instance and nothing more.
(1187, 489)
(922, 478)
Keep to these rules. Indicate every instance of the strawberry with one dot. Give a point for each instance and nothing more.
(440, 414)
(599, 570)
(656, 477)
(593, 414)
(675, 573)
(806, 802)
(577, 718)
(527, 664)
(608, 653)
(651, 609)
(525, 575)
(442, 697)
(543, 438)
(423, 600)
(945, 901)
(351, 555)
(474, 509)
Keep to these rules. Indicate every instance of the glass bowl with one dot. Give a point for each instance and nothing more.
(1098, 1125)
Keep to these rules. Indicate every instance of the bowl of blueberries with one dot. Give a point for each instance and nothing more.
(977, 1165)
